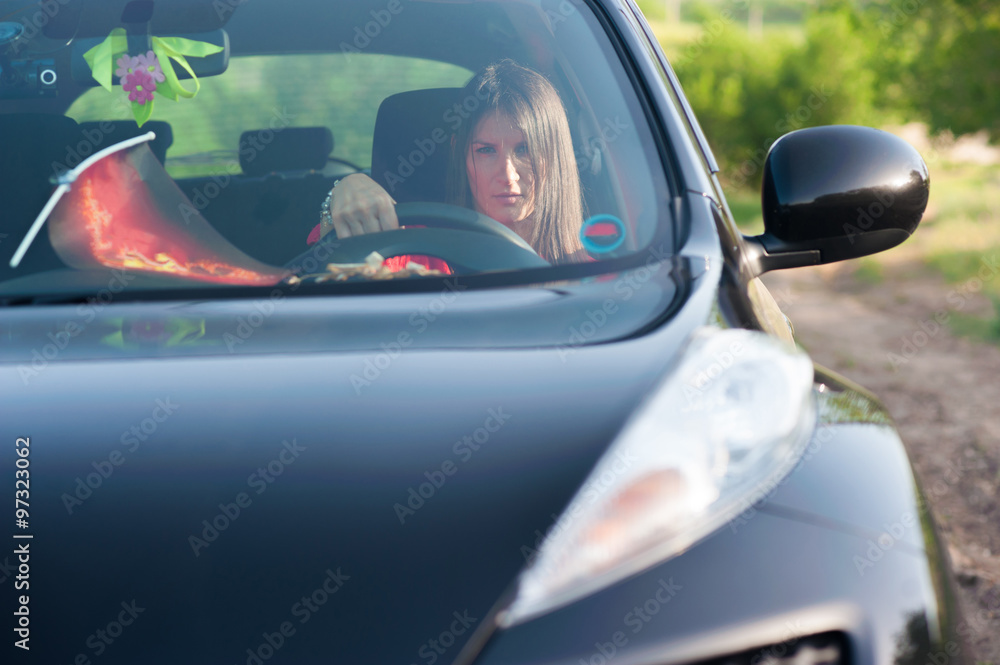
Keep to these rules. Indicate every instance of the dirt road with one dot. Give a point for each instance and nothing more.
(943, 392)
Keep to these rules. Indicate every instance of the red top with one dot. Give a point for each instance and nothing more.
(397, 263)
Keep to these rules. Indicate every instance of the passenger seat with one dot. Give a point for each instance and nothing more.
(269, 209)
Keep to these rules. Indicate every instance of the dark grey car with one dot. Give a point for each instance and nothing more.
(231, 446)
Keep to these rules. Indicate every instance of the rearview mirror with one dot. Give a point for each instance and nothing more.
(210, 65)
(835, 193)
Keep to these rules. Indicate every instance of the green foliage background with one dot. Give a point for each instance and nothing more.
(832, 61)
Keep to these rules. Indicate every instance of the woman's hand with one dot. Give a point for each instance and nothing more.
(359, 205)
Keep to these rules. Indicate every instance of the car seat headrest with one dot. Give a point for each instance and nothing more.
(104, 133)
(36, 147)
(264, 151)
(412, 142)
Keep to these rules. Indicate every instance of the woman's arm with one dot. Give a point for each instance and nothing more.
(358, 205)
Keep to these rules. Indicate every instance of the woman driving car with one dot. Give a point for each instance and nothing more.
(512, 160)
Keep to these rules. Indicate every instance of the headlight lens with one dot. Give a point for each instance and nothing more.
(733, 416)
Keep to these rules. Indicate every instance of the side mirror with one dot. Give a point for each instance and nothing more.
(835, 193)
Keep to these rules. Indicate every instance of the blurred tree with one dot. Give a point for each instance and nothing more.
(853, 62)
(942, 58)
(748, 92)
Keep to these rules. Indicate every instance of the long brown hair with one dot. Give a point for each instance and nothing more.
(534, 106)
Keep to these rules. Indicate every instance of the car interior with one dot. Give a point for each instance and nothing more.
(258, 166)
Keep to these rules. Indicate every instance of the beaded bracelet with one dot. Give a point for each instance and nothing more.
(325, 219)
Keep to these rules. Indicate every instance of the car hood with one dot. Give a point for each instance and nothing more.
(344, 498)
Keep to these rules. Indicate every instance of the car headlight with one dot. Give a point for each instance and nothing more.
(732, 417)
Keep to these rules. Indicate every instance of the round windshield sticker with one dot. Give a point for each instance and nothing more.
(602, 234)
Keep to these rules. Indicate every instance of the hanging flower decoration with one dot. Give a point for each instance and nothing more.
(124, 66)
(139, 76)
(140, 86)
(151, 72)
(151, 64)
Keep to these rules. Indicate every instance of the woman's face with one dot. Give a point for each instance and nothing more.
(500, 173)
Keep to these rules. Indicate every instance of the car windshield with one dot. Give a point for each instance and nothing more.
(201, 143)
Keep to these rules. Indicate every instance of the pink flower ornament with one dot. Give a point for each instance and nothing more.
(139, 76)
(125, 66)
(149, 63)
(139, 85)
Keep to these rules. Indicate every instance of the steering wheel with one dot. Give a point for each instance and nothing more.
(467, 240)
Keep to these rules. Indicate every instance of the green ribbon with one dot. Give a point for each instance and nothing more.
(102, 59)
(176, 332)
(175, 48)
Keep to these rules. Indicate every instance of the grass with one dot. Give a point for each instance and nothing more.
(869, 271)
(745, 206)
(975, 270)
(961, 241)
(985, 329)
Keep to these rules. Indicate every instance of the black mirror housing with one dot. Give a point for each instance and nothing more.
(838, 192)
